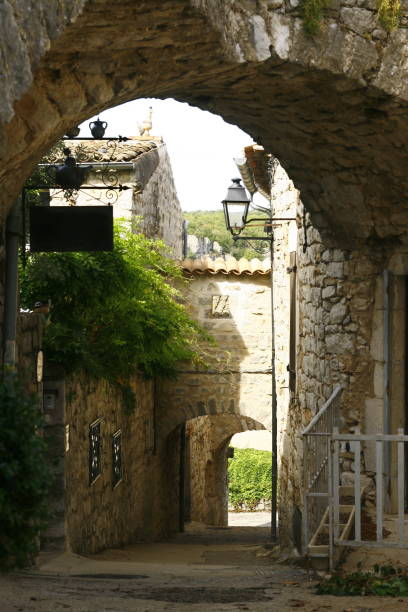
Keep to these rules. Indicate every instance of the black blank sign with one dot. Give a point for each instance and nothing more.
(71, 228)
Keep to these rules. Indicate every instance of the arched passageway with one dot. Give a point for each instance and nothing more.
(332, 108)
(207, 440)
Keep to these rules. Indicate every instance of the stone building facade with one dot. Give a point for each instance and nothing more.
(142, 166)
(232, 392)
(350, 328)
(116, 481)
(116, 475)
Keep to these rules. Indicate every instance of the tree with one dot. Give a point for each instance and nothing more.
(211, 224)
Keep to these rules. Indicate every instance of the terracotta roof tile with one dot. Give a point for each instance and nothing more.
(226, 265)
(102, 150)
(257, 160)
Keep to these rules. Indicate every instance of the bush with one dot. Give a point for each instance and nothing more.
(383, 580)
(249, 478)
(24, 476)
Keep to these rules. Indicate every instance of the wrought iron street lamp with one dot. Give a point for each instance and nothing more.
(236, 206)
(236, 209)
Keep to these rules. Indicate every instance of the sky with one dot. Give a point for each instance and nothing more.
(201, 146)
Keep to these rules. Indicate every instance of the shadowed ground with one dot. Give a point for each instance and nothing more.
(203, 569)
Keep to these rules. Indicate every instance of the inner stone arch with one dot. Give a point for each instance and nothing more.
(207, 440)
(332, 108)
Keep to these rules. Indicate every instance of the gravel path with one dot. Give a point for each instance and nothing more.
(250, 519)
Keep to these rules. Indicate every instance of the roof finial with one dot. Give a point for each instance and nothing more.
(146, 125)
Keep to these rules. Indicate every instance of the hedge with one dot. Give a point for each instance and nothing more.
(249, 478)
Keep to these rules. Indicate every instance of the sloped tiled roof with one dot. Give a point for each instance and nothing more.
(226, 265)
(102, 150)
(257, 160)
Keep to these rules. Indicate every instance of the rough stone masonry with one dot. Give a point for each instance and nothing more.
(332, 107)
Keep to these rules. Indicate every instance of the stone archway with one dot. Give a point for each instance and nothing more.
(332, 108)
(207, 440)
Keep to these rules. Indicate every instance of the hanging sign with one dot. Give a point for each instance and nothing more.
(71, 228)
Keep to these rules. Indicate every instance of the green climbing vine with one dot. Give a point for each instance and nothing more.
(113, 313)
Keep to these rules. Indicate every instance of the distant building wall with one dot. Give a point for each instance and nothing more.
(158, 203)
(236, 312)
(198, 246)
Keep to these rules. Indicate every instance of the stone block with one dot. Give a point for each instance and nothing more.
(359, 20)
(338, 313)
(335, 269)
(339, 343)
(377, 341)
(328, 292)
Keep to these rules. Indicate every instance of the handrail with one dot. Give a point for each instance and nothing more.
(317, 466)
(337, 390)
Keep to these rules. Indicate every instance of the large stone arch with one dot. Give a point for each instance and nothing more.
(332, 108)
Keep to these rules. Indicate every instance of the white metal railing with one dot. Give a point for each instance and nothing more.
(317, 465)
(377, 446)
(334, 510)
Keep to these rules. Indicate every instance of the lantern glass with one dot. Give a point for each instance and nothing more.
(235, 215)
(236, 206)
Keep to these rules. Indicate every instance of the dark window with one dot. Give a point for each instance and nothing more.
(116, 458)
(94, 451)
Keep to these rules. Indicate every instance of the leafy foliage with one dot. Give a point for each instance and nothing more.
(24, 476)
(388, 13)
(382, 580)
(312, 12)
(249, 477)
(41, 175)
(113, 312)
(211, 224)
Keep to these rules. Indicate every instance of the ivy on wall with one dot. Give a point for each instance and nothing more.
(312, 13)
(113, 313)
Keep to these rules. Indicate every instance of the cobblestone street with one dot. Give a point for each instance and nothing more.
(220, 569)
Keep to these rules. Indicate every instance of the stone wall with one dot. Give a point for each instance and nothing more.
(237, 379)
(158, 203)
(337, 317)
(91, 514)
(30, 329)
(285, 199)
